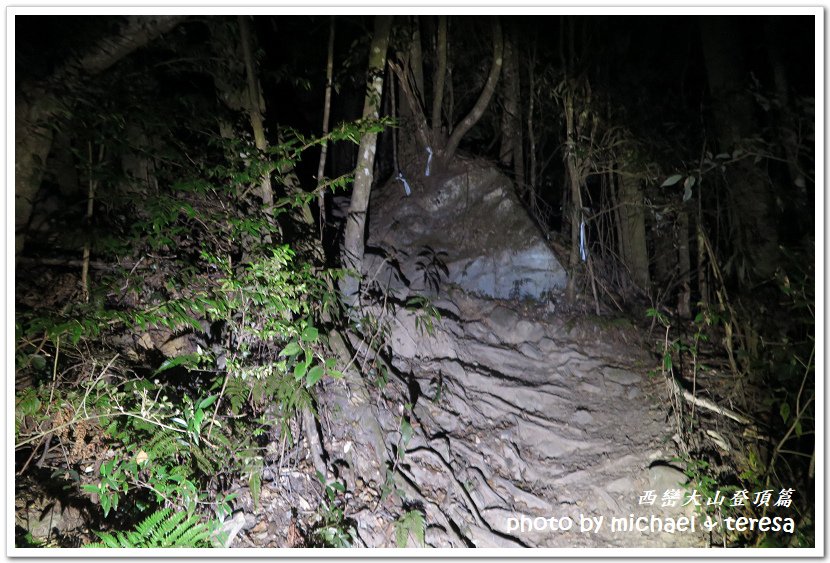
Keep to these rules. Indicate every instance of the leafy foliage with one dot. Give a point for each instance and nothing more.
(333, 529)
(200, 341)
(412, 523)
(163, 528)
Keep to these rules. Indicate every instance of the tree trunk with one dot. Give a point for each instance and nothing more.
(416, 60)
(38, 104)
(483, 99)
(509, 103)
(754, 229)
(684, 264)
(321, 167)
(511, 124)
(353, 244)
(255, 108)
(518, 137)
(633, 223)
(665, 256)
(440, 75)
(573, 168)
(531, 136)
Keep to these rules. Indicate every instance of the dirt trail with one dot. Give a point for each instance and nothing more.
(519, 413)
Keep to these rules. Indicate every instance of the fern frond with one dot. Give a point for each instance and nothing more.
(145, 529)
(202, 461)
(410, 523)
(162, 445)
(160, 529)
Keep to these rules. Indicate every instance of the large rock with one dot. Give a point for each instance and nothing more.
(473, 223)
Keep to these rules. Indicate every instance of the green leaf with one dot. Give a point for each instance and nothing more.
(37, 361)
(314, 375)
(300, 370)
(406, 431)
(310, 334)
(93, 489)
(255, 486)
(292, 349)
(207, 402)
(785, 411)
(671, 180)
(28, 404)
(177, 361)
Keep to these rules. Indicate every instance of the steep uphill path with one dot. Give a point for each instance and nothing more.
(516, 412)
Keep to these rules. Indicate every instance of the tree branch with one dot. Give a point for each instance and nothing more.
(483, 100)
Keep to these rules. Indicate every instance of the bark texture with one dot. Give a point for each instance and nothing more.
(353, 244)
(633, 230)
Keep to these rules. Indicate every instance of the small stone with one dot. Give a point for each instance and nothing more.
(664, 476)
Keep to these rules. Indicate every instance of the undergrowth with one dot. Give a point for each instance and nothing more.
(162, 382)
(763, 466)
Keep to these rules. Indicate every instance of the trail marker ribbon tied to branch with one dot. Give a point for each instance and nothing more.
(583, 245)
(400, 178)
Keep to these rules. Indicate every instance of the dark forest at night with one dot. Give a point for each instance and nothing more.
(415, 281)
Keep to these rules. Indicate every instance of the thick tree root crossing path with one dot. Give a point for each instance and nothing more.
(527, 430)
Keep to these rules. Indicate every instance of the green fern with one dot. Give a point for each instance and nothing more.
(203, 462)
(410, 523)
(162, 444)
(160, 529)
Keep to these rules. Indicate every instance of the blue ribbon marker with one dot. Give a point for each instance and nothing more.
(583, 249)
(405, 183)
(429, 161)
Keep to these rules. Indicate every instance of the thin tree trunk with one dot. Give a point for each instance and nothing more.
(416, 112)
(617, 214)
(440, 75)
(321, 167)
(632, 215)
(511, 151)
(255, 107)
(702, 283)
(353, 244)
(483, 99)
(531, 136)
(575, 208)
(518, 137)
(684, 263)
(90, 206)
(450, 99)
(509, 103)
(416, 60)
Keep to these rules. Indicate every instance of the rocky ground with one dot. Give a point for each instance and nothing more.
(516, 411)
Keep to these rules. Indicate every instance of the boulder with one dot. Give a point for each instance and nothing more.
(467, 228)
